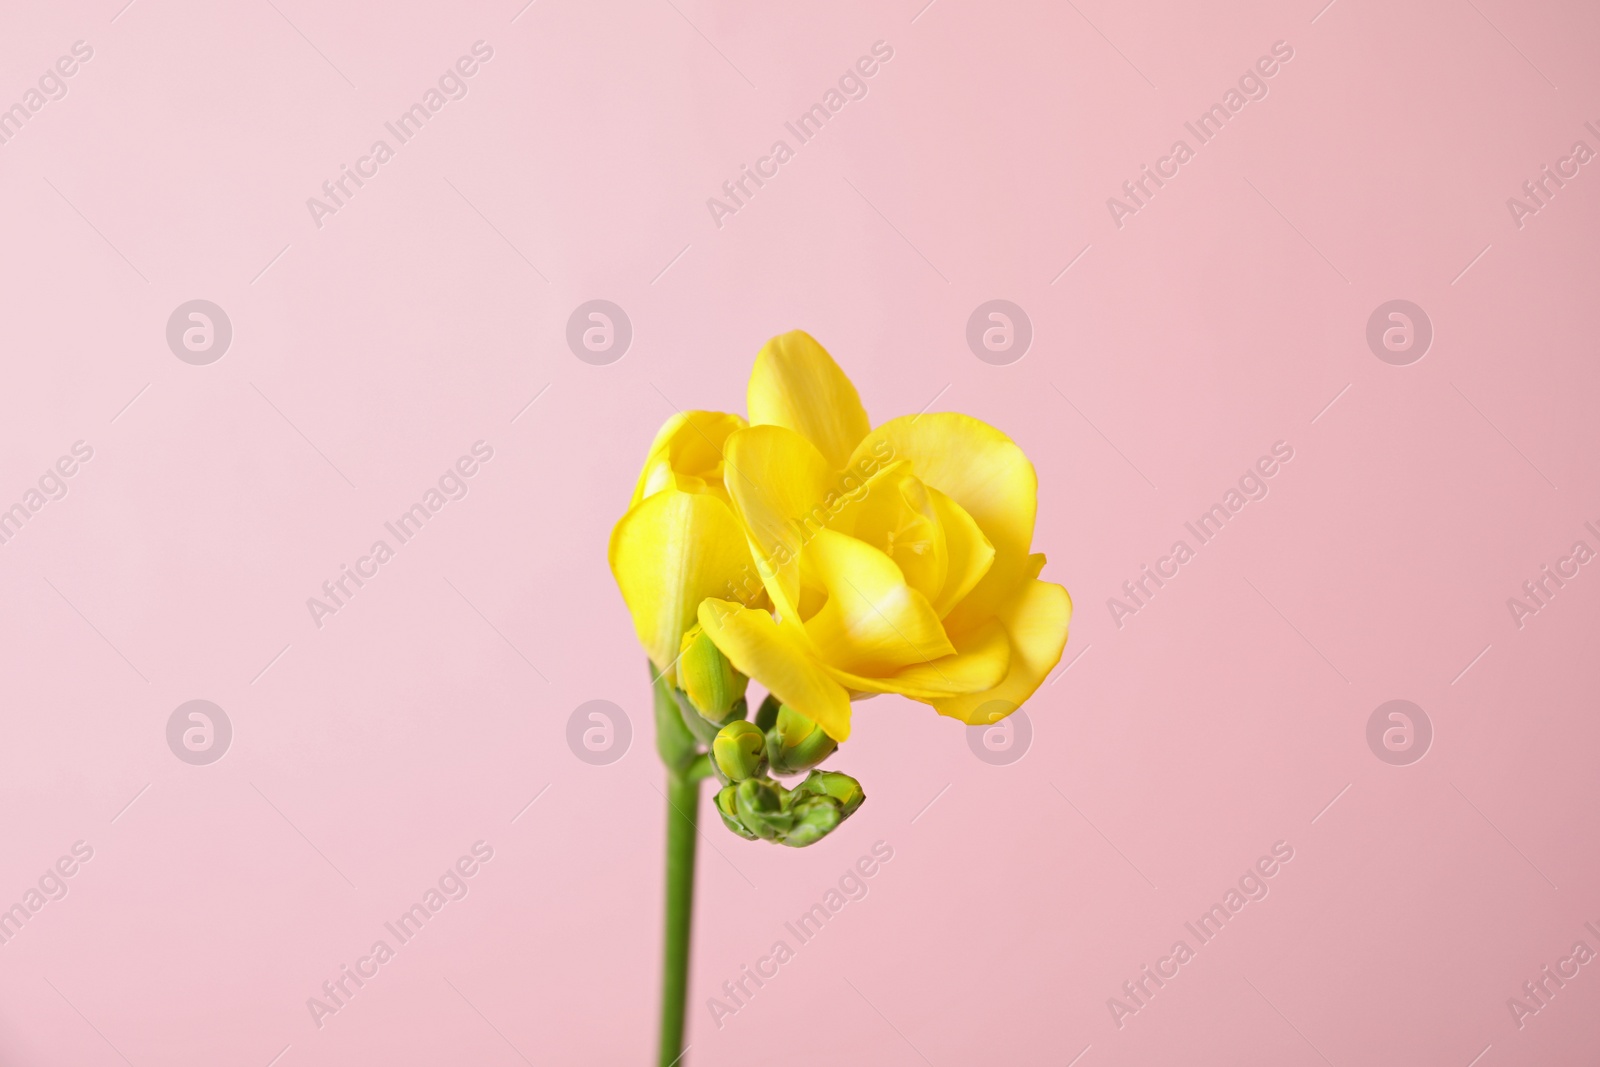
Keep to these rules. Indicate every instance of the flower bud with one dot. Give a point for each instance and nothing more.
(705, 674)
(814, 818)
(727, 807)
(762, 807)
(796, 744)
(739, 750)
(841, 788)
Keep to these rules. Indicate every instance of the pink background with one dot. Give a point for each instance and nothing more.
(1225, 716)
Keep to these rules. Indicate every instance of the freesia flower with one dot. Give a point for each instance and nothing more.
(828, 560)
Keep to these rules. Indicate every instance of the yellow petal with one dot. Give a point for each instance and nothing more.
(968, 554)
(779, 484)
(668, 554)
(981, 661)
(1008, 572)
(796, 384)
(777, 655)
(895, 512)
(973, 464)
(1036, 622)
(689, 446)
(873, 623)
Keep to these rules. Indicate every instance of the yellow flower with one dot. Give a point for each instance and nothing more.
(680, 542)
(896, 560)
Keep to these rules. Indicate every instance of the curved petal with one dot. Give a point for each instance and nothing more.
(872, 623)
(981, 661)
(894, 511)
(973, 464)
(1036, 623)
(776, 655)
(968, 554)
(1007, 573)
(796, 384)
(779, 484)
(670, 553)
(689, 446)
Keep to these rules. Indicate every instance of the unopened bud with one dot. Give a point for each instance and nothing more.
(841, 788)
(762, 806)
(739, 750)
(796, 743)
(814, 819)
(705, 674)
(727, 807)
(758, 808)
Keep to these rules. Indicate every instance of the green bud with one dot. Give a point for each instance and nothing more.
(762, 807)
(705, 674)
(841, 788)
(796, 744)
(740, 750)
(814, 819)
(727, 807)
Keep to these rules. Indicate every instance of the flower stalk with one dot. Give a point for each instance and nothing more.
(683, 812)
(685, 769)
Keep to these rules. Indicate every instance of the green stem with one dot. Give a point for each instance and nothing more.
(683, 812)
